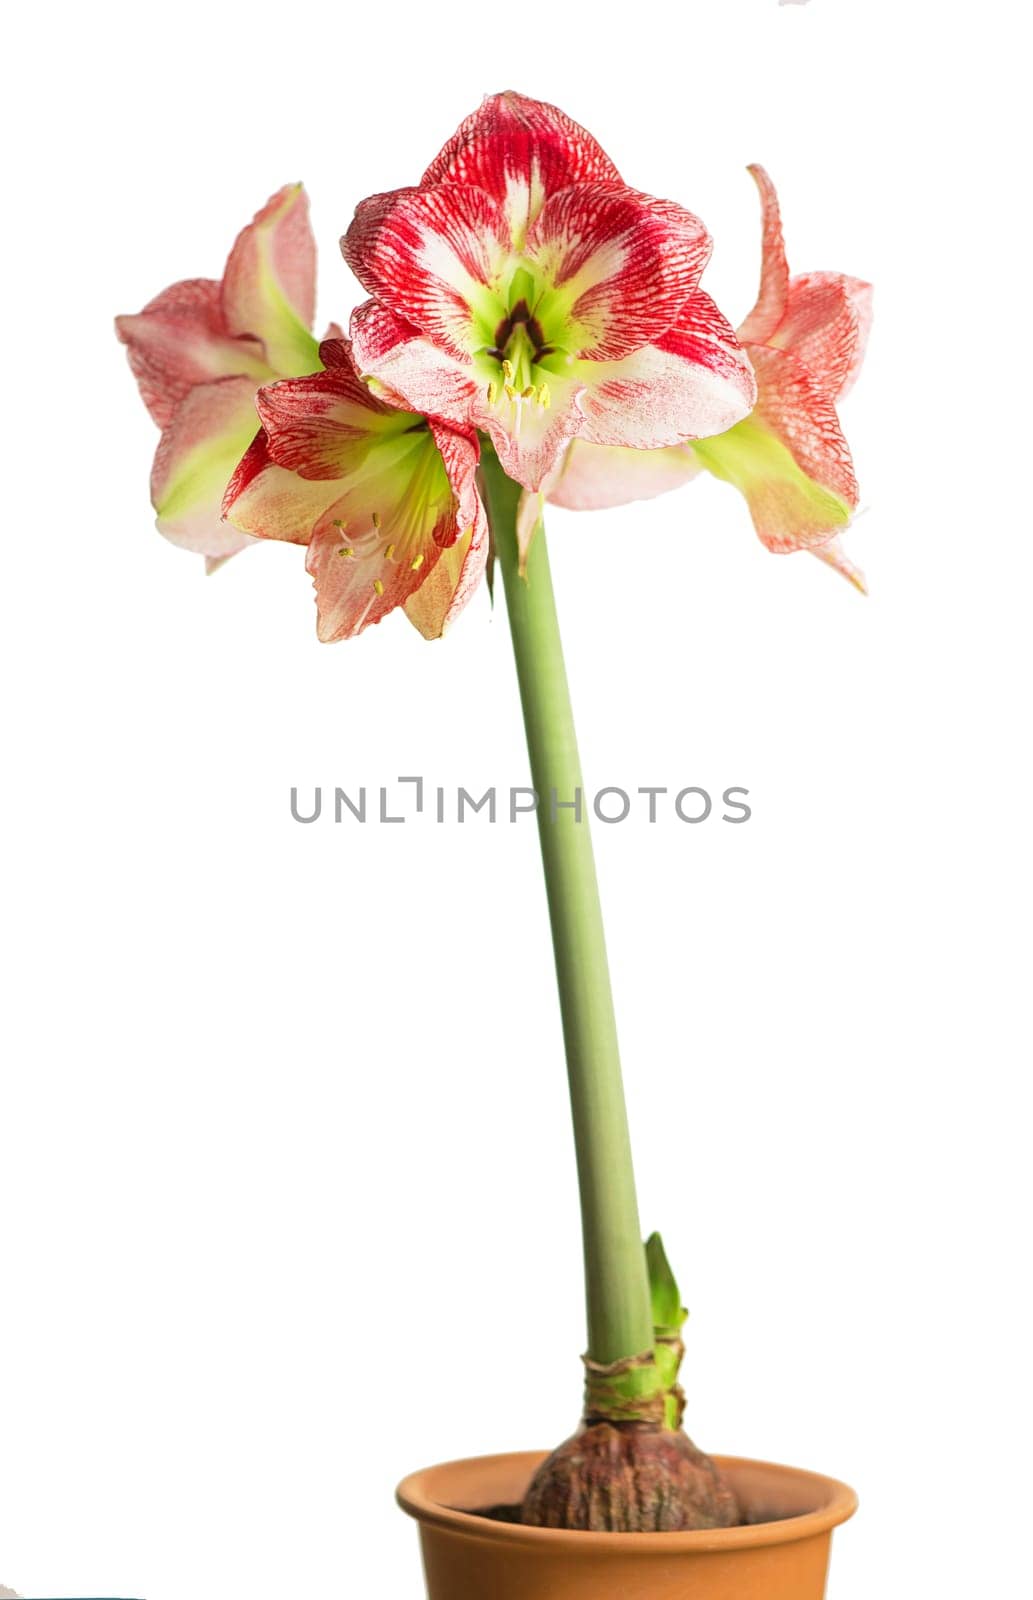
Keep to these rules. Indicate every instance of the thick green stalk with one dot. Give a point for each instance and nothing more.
(620, 1323)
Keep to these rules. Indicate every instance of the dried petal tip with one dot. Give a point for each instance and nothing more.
(629, 1479)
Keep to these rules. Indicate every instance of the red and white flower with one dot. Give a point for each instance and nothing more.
(199, 352)
(524, 289)
(385, 499)
(806, 338)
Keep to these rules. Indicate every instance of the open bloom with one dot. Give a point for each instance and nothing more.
(522, 288)
(806, 337)
(385, 499)
(199, 352)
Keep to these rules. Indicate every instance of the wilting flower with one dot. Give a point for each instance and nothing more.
(805, 337)
(199, 352)
(386, 500)
(522, 288)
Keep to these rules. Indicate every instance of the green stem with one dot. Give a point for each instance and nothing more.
(620, 1322)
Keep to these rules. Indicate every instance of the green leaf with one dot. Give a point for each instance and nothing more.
(668, 1311)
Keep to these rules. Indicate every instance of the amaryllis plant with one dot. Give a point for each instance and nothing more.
(535, 331)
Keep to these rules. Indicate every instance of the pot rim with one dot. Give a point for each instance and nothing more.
(839, 1502)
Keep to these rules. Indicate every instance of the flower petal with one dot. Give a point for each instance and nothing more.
(450, 583)
(693, 382)
(774, 269)
(269, 286)
(375, 531)
(391, 529)
(209, 432)
(269, 502)
(826, 324)
(324, 426)
(406, 365)
(181, 339)
(833, 554)
(520, 151)
(623, 262)
(592, 477)
(789, 457)
(429, 256)
(355, 591)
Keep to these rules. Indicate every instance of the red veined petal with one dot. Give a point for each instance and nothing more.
(376, 532)
(624, 262)
(799, 412)
(429, 255)
(408, 366)
(592, 477)
(695, 381)
(774, 269)
(834, 556)
(826, 326)
(425, 548)
(520, 151)
(269, 502)
(181, 339)
(859, 294)
(451, 581)
(530, 439)
(269, 285)
(196, 456)
(460, 454)
(323, 426)
(355, 591)
(789, 457)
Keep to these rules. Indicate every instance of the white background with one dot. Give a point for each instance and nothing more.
(287, 1203)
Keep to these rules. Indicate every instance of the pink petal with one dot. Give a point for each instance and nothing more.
(424, 516)
(798, 411)
(461, 453)
(268, 502)
(826, 325)
(451, 582)
(405, 492)
(626, 262)
(426, 377)
(210, 430)
(427, 255)
(833, 554)
(789, 458)
(529, 441)
(693, 382)
(269, 286)
(181, 339)
(860, 296)
(774, 270)
(520, 151)
(322, 426)
(355, 591)
(592, 477)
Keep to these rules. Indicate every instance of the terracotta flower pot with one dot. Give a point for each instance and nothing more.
(782, 1554)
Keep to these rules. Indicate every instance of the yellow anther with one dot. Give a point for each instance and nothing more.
(493, 393)
(418, 562)
(389, 553)
(346, 550)
(528, 393)
(507, 371)
(544, 398)
(338, 522)
(378, 586)
(376, 519)
(510, 392)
